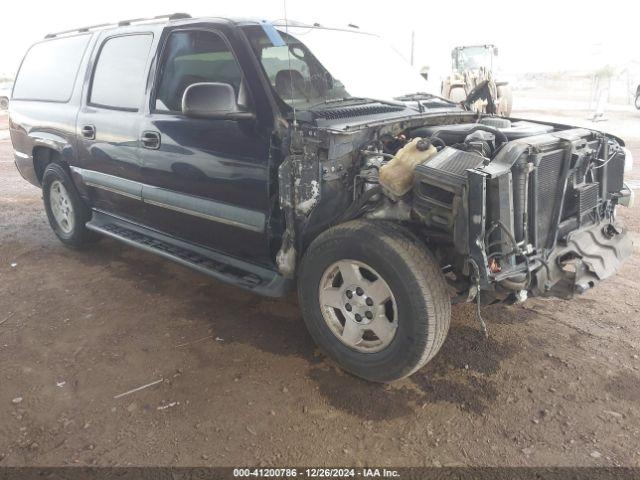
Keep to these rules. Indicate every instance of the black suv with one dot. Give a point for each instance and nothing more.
(266, 155)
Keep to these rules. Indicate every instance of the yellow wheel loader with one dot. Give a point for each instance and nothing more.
(473, 83)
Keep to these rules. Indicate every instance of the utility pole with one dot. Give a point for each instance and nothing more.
(413, 43)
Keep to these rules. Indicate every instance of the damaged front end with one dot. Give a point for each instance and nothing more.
(511, 208)
(541, 214)
(299, 193)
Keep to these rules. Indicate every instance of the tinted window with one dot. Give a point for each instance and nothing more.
(275, 59)
(120, 75)
(194, 57)
(49, 69)
(295, 73)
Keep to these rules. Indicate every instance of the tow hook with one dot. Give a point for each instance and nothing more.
(610, 231)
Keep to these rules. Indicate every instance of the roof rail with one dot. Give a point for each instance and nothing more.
(122, 23)
(79, 30)
(171, 16)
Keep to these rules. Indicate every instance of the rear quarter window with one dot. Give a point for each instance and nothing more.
(49, 69)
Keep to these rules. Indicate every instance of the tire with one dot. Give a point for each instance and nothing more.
(638, 101)
(505, 98)
(4, 103)
(60, 196)
(420, 303)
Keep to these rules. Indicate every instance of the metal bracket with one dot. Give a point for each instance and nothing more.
(477, 220)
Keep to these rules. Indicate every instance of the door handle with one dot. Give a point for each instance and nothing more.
(89, 131)
(150, 140)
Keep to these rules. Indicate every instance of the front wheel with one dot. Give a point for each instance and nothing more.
(374, 299)
(505, 100)
(638, 100)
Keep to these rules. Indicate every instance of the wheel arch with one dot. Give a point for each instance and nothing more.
(45, 155)
(47, 147)
(408, 229)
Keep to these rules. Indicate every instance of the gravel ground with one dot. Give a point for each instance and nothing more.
(557, 382)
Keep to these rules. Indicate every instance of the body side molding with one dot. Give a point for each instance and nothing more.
(180, 202)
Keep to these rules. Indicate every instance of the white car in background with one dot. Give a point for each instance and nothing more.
(5, 95)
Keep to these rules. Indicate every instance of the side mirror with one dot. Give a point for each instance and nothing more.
(424, 71)
(212, 100)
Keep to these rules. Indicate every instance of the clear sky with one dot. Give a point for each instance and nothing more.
(540, 35)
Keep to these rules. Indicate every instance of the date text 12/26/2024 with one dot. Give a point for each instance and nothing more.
(315, 472)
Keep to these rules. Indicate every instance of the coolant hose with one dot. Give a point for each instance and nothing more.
(499, 135)
(513, 285)
(360, 202)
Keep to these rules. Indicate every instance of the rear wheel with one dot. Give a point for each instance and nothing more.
(4, 103)
(638, 100)
(505, 100)
(66, 211)
(374, 299)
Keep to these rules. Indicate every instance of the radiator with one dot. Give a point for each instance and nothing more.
(546, 191)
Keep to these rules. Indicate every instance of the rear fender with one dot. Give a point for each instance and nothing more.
(31, 164)
(52, 141)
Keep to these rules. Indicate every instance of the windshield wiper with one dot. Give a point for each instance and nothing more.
(329, 101)
(417, 96)
(358, 100)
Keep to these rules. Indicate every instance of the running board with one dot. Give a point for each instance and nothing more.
(221, 267)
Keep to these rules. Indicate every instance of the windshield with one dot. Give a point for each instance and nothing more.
(472, 58)
(319, 65)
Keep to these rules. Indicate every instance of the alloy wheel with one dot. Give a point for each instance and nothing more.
(358, 306)
(61, 206)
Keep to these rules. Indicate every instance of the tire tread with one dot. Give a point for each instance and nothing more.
(431, 288)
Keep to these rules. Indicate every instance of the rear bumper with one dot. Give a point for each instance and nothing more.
(585, 257)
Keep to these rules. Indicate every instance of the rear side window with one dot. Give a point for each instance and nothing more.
(49, 70)
(120, 74)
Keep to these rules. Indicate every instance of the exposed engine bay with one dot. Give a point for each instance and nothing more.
(509, 207)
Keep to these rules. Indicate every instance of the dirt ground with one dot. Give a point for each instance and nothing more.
(557, 382)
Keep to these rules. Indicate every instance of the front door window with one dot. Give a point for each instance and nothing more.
(194, 57)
